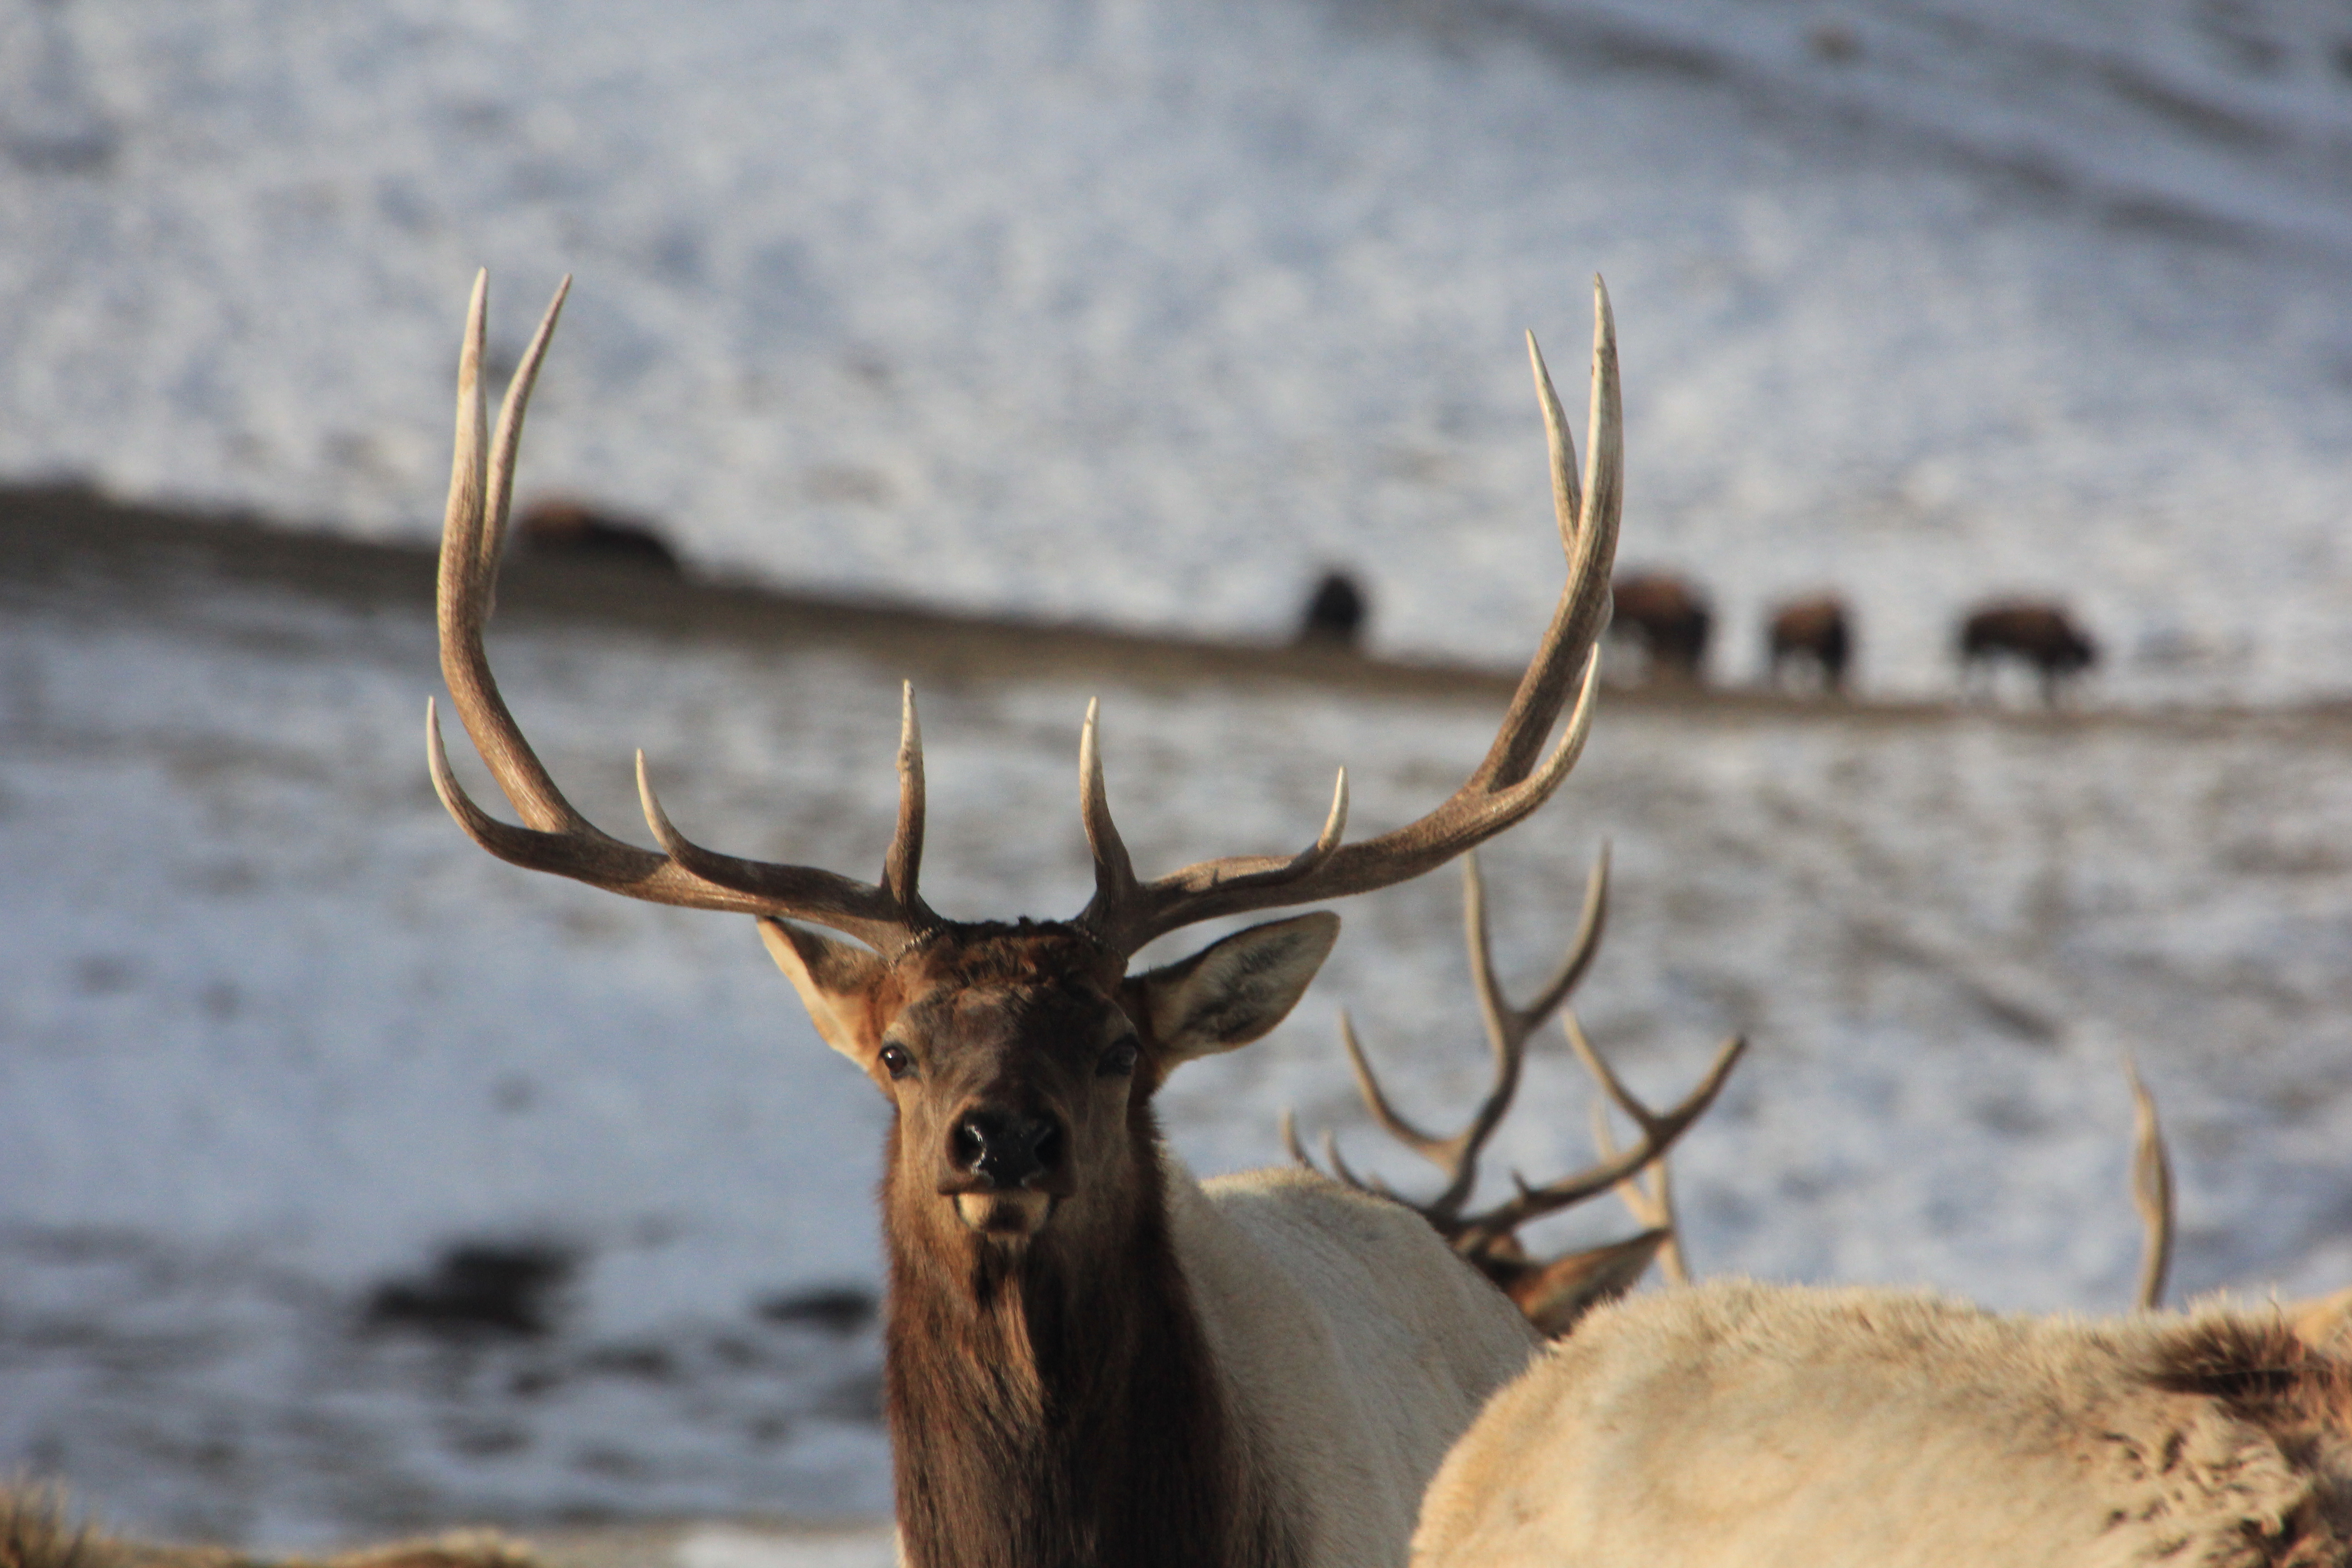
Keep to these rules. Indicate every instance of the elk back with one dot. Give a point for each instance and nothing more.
(1734, 1423)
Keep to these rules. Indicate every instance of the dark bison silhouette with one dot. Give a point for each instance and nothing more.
(1815, 630)
(1669, 618)
(572, 528)
(1335, 613)
(2031, 631)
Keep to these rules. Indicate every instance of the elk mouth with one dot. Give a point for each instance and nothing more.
(1013, 1215)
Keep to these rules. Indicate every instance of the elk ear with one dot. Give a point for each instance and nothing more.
(1233, 991)
(833, 978)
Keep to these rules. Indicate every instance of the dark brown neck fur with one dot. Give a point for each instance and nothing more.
(1056, 1405)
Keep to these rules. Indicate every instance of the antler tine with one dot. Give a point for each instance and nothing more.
(1527, 1204)
(1114, 869)
(1297, 1150)
(2151, 1190)
(1506, 1037)
(1507, 1030)
(556, 838)
(1566, 496)
(1440, 1151)
(1591, 925)
(1606, 1076)
(1509, 784)
(1592, 544)
(1114, 882)
(1444, 1152)
(1648, 1196)
(904, 863)
(471, 530)
(1340, 1168)
(507, 442)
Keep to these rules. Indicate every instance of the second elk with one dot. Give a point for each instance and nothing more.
(1091, 1357)
(1741, 1424)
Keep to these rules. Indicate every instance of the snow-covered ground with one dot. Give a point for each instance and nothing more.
(1145, 309)
(273, 1034)
(1140, 310)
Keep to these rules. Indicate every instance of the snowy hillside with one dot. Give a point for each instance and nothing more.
(1139, 310)
(280, 1051)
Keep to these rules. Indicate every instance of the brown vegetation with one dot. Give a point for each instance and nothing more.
(36, 1532)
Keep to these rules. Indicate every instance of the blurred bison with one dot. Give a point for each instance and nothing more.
(2031, 631)
(1815, 630)
(1335, 614)
(1669, 618)
(568, 529)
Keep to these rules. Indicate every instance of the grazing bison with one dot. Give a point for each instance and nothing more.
(1335, 614)
(2037, 633)
(1816, 629)
(1669, 618)
(567, 527)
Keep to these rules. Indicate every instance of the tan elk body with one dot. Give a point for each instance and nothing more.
(1757, 1426)
(1093, 1359)
(1736, 1425)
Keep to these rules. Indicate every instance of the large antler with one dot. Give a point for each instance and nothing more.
(1491, 1231)
(1125, 913)
(556, 838)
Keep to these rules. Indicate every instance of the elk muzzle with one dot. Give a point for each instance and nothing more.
(1005, 1168)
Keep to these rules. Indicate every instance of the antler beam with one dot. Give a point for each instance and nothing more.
(1125, 913)
(555, 836)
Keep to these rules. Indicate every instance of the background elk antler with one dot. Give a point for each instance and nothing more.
(1126, 912)
(1552, 1294)
(2152, 1193)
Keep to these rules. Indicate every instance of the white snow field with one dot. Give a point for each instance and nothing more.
(1139, 311)
(1142, 311)
(273, 1034)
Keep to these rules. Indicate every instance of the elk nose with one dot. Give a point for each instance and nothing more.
(1003, 1148)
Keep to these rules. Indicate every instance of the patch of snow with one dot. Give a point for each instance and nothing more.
(1147, 311)
(732, 1548)
(272, 1032)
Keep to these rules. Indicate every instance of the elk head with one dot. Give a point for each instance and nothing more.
(1021, 1058)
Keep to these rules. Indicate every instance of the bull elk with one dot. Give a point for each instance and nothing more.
(1091, 1357)
(1553, 1294)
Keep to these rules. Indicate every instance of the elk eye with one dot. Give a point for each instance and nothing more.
(897, 1061)
(1120, 1060)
